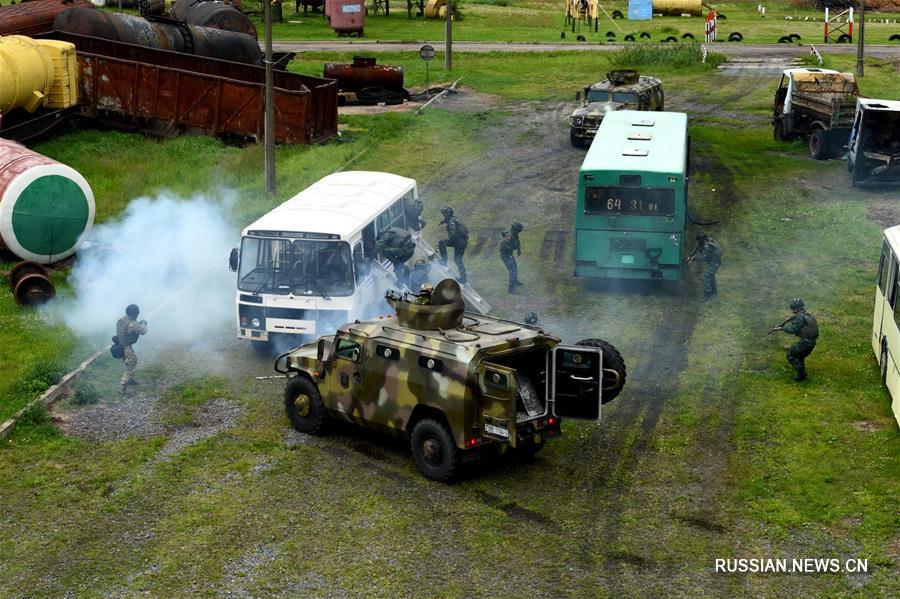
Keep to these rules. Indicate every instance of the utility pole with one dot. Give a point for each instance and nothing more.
(269, 126)
(860, 53)
(448, 38)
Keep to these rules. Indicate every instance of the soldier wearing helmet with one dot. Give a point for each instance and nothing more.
(424, 295)
(509, 244)
(709, 251)
(128, 330)
(457, 238)
(805, 326)
(531, 318)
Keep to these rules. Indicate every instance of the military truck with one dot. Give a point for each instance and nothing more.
(819, 103)
(457, 385)
(621, 90)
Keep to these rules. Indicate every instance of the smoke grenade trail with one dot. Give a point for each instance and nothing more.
(165, 254)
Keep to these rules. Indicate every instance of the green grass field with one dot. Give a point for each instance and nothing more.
(711, 452)
(543, 21)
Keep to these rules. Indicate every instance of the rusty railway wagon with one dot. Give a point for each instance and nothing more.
(35, 16)
(167, 93)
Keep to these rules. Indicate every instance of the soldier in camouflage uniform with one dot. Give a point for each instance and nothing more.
(805, 326)
(128, 330)
(457, 238)
(397, 246)
(708, 251)
(509, 244)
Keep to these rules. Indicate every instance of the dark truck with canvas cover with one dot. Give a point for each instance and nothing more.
(816, 102)
(458, 385)
(621, 90)
(874, 156)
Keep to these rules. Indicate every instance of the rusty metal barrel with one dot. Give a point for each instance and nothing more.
(30, 283)
(46, 208)
(164, 34)
(35, 16)
(363, 74)
(215, 14)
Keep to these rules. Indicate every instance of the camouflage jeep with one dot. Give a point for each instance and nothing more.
(621, 90)
(456, 384)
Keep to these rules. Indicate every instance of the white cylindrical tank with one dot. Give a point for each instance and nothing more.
(46, 208)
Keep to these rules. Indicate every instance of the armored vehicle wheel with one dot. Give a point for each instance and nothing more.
(434, 450)
(304, 406)
(818, 144)
(576, 141)
(613, 368)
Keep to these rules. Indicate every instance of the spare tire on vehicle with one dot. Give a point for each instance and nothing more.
(614, 373)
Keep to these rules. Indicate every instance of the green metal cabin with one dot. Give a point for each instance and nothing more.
(632, 197)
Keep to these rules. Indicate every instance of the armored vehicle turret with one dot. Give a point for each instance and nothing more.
(456, 384)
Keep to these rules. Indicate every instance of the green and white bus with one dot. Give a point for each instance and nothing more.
(885, 332)
(632, 198)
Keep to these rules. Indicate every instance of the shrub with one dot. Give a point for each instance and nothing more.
(34, 416)
(39, 377)
(85, 393)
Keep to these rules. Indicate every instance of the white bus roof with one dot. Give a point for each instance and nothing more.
(892, 234)
(339, 204)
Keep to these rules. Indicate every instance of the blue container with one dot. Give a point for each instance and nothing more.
(640, 10)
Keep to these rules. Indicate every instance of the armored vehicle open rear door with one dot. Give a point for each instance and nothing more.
(576, 384)
(499, 392)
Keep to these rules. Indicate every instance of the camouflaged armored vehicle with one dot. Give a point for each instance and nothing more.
(456, 384)
(621, 90)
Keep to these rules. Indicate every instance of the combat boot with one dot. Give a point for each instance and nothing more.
(511, 288)
(801, 375)
(706, 297)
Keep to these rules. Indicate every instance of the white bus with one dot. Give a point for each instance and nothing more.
(311, 264)
(885, 332)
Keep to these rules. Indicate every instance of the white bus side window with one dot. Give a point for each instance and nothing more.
(368, 235)
(897, 306)
(883, 266)
(892, 283)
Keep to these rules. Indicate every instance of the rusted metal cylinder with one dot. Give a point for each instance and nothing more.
(23, 269)
(35, 16)
(364, 73)
(46, 208)
(164, 34)
(33, 289)
(215, 14)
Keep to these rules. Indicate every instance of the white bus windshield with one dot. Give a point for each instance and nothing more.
(298, 267)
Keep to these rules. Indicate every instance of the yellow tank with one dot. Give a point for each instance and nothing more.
(64, 87)
(35, 73)
(433, 8)
(678, 7)
(26, 72)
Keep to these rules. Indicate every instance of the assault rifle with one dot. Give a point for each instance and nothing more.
(693, 255)
(778, 327)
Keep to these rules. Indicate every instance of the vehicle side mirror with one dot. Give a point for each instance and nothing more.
(323, 351)
(577, 96)
(234, 259)
(355, 354)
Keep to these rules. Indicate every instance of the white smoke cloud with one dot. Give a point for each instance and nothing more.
(169, 256)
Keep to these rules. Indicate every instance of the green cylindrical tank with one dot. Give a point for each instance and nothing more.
(46, 208)
(26, 72)
(678, 7)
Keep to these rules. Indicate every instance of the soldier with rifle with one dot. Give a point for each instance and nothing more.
(805, 326)
(709, 251)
